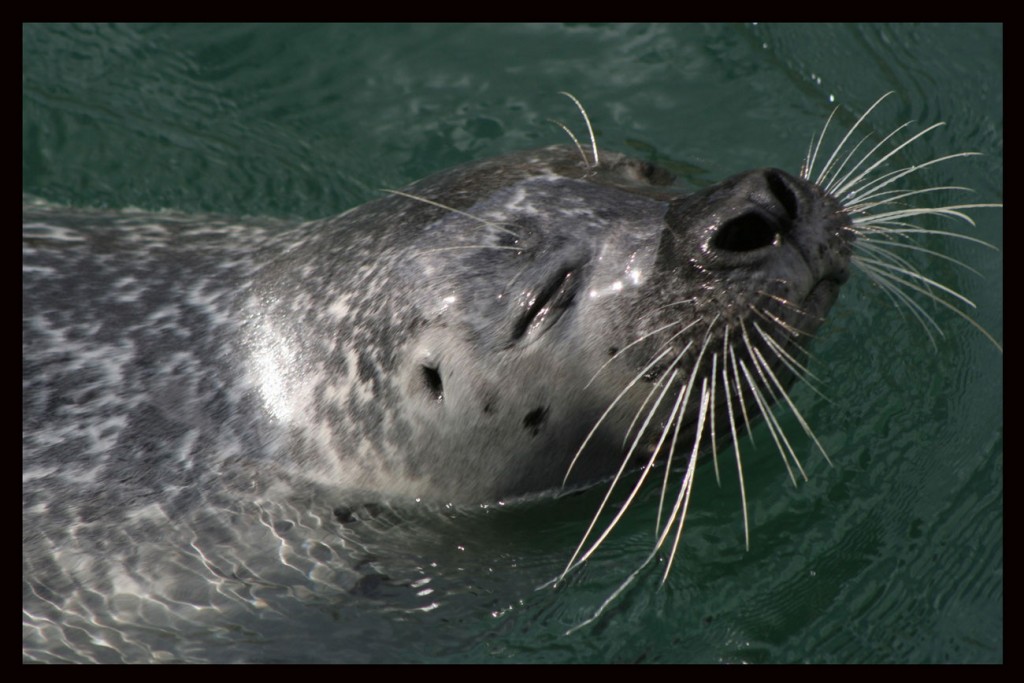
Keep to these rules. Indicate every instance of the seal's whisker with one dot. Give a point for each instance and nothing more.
(941, 211)
(639, 340)
(573, 562)
(866, 191)
(575, 140)
(893, 287)
(774, 429)
(896, 270)
(681, 302)
(654, 387)
(811, 151)
(849, 155)
(685, 398)
(682, 399)
(894, 196)
(882, 247)
(875, 272)
(816, 140)
(658, 380)
(782, 324)
(484, 221)
(787, 304)
(616, 593)
(739, 394)
(905, 229)
(611, 406)
(799, 370)
(420, 252)
(714, 440)
(781, 300)
(675, 416)
(838, 187)
(893, 231)
(888, 284)
(882, 254)
(590, 129)
(839, 181)
(784, 393)
(828, 165)
(731, 415)
(678, 514)
(838, 170)
(873, 253)
(765, 372)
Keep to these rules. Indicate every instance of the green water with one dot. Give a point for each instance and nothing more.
(892, 555)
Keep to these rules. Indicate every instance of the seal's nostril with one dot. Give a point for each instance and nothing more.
(753, 230)
(783, 192)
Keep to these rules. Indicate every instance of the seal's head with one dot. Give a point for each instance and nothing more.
(541, 310)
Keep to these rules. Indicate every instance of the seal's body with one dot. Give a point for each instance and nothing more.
(508, 327)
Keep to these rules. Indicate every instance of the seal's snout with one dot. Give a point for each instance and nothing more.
(767, 205)
(748, 220)
(758, 209)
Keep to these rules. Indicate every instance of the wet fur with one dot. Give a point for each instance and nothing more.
(695, 383)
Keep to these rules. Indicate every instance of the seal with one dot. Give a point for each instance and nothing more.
(540, 321)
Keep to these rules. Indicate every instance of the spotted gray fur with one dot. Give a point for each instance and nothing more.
(440, 343)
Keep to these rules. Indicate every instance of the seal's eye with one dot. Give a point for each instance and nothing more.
(635, 171)
(545, 308)
(656, 175)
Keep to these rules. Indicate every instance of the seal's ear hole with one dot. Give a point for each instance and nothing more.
(432, 380)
